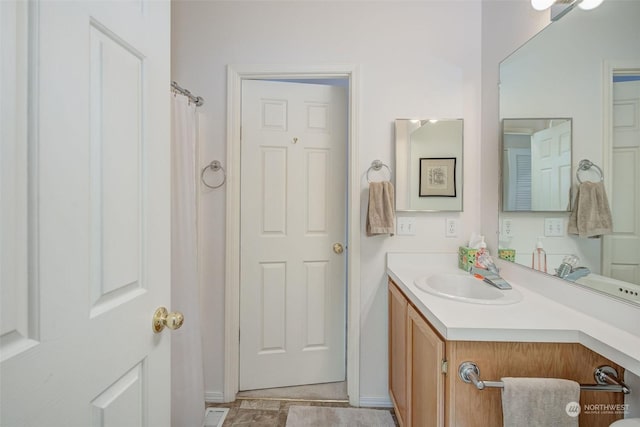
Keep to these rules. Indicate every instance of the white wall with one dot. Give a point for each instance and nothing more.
(506, 25)
(418, 59)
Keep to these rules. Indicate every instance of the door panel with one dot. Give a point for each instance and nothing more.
(94, 196)
(293, 184)
(621, 253)
(122, 402)
(274, 190)
(116, 170)
(18, 319)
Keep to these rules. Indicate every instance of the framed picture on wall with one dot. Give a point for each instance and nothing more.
(437, 177)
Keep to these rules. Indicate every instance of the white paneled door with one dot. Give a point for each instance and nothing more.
(85, 226)
(621, 256)
(551, 168)
(293, 215)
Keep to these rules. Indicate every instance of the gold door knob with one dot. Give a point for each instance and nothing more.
(337, 248)
(162, 318)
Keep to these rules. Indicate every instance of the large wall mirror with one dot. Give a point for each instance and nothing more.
(585, 66)
(428, 168)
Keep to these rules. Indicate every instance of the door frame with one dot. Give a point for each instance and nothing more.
(235, 75)
(610, 69)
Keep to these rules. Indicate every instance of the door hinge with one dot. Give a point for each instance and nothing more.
(444, 366)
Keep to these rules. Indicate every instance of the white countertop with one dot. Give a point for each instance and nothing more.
(537, 318)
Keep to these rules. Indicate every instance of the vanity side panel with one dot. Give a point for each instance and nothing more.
(467, 406)
(398, 352)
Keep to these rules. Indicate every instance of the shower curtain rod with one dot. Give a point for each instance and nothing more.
(198, 100)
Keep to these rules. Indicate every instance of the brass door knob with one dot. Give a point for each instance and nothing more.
(337, 248)
(162, 318)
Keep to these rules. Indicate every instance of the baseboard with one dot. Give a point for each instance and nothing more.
(375, 402)
(214, 396)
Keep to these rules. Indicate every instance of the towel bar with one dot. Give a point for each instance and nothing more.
(605, 376)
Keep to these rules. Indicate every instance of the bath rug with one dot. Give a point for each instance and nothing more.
(323, 416)
(214, 417)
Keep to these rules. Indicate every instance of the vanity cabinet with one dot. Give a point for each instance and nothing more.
(424, 396)
(416, 354)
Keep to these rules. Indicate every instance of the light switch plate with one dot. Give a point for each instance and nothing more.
(507, 227)
(554, 227)
(406, 226)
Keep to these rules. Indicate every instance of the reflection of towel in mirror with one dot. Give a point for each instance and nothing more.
(540, 402)
(380, 213)
(591, 216)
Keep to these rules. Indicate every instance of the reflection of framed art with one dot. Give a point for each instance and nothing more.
(438, 177)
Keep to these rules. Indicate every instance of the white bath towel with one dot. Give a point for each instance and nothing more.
(540, 402)
(380, 213)
(591, 216)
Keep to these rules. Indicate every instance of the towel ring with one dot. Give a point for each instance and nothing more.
(215, 166)
(585, 165)
(376, 165)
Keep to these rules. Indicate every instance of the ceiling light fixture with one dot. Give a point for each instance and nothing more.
(589, 4)
(565, 5)
(542, 4)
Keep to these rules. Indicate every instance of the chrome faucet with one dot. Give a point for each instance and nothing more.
(577, 273)
(491, 277)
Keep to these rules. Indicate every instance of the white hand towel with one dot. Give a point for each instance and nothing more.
(540, 402)
(591, 216)
(381, 213)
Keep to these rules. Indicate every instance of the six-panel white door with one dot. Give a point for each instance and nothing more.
(293, 212)
(85, 226)
(621, 254)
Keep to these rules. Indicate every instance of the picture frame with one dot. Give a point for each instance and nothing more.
(437, 177)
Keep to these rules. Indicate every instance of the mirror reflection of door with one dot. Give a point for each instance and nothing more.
(621, 255)
(551, 167)
(536, 164)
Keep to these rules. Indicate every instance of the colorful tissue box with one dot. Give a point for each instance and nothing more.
(466, 257)
(507, 254)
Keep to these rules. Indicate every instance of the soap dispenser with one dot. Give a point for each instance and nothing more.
(482, 249)
(539, 257)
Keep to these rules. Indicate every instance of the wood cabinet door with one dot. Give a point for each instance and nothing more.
(398, 352)
(425, 391)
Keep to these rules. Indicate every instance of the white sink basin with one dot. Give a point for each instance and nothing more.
(466, 288)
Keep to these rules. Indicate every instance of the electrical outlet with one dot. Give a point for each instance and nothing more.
(451, 227)
(507, 227)
(554, 227)
(406, 226)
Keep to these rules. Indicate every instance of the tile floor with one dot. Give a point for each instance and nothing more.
(268, 413)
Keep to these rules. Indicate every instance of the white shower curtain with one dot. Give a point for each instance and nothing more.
(187, 376)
